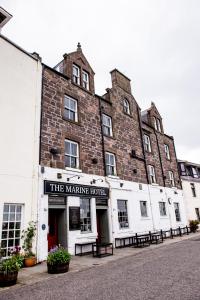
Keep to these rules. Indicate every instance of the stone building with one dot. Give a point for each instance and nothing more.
(107, 170)
(190, 177)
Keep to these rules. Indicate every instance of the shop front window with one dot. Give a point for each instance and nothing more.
(85, 215)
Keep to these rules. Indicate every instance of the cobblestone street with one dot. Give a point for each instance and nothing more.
(168, 272)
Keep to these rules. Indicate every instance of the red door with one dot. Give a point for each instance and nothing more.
(53, 229)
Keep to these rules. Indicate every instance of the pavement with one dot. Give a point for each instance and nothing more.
(38, 273)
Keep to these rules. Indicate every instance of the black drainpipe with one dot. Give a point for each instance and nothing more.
(143, 151)
(41, 112)
(160, 157)
(102, 137)
(177, 165)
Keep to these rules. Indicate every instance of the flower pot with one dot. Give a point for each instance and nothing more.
(29, 261)
(8, 278)
(60, 268)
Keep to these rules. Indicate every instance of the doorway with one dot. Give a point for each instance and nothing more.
(57, 230)
(102, 226)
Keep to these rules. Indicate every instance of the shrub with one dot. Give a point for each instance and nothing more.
(28, 236)
(193, 225)
(57, 256)
(10, 264)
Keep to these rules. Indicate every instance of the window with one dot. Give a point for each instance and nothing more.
(71, 154)
(157, 124)
(182, 169)
(193, 189)
(177, 212)
(171, 178)
(85, 215)
(122, 213)
(152, 175)
(143, 208)
(107, 125)
(76, 74)
(126, 106)
(11, 227)
(194, 172)
(197, 213)
(167, 154)
(85, 78)
(162, 207)
(70, 106)
(110, 164)
(147, 143)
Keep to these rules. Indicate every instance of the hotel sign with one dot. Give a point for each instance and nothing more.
(68, 189)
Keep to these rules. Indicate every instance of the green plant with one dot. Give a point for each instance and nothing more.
(193, 225)
(58, 255)
(10, 264)
(27, 236)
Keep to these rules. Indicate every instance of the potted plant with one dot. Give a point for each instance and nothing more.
(193, 225)
(9, 268)
(27, 236)
(58, 260)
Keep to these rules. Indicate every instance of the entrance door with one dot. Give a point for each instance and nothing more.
(53, 229)
(102, 226)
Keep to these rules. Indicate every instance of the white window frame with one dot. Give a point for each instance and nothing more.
(147, 143)
(177, 212)
(167, 152)
(8, 228)
(162, 208)
(123, 219)
(70, 154)
(109, 165)
(155, 123)
(144, 213)
(76, 74)
(152, 175)
(107, 125)
(85, 80)
(171, 178)
(86, 221)
(126, 106)
(69, 108)
(158, 125)
(194, 172)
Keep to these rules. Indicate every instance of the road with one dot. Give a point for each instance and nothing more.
(170, 272)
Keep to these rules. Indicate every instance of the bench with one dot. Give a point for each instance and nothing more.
(142, 240)
(81, 246)
(124, 241)
(102, 249)
(156, 238)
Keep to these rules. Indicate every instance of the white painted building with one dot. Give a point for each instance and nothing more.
(20, 106)
(190, 177)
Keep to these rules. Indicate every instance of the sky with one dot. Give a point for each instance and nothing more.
(156, 43)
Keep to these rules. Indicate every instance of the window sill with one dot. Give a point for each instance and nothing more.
(163, 217)
(71, 121)
(145, 218)
(128, 115)
(73, 170)
(109, 136)
(82, 88)
(154, 184)
(112, 177)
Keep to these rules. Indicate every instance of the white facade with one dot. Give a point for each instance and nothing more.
(132, 192)
(191, 202)
(20, 102)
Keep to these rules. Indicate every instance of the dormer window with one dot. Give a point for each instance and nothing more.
(85, 79)
(167, 153)
(157, 124)
(76, 74)
(126, 106)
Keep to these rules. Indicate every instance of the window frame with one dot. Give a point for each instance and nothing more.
(107, 126)
(76, 77)
(123, 219)
(177, 212)
(197, 213)
(66, 108)
(85, 82)
(193, 189)
(167, 152)
(162, 208)
(146, 209)
(77, 157)
(171, 178)
(8, 228)
(126, 107)
(83, 223)
(109, 165)
(152, 175)
(147, 145)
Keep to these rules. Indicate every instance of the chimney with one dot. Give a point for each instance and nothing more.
(120, 80)
(4, 17)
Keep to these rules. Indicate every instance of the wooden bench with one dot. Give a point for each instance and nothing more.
(81, 246)
(122, 241)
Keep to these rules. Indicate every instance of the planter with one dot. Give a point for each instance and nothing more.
(29, 261)
(55, 269)
(8, 279)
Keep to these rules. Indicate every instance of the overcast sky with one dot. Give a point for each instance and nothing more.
(156, 43)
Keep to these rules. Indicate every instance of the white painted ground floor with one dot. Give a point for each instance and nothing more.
(79, 208)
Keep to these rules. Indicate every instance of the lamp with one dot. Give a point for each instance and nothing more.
(95, 180)
(121, 184)
(78, 177)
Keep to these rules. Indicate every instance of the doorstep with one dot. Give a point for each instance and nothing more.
(28, 276)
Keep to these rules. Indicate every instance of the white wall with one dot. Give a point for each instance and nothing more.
(20, 102)
(191, 202)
